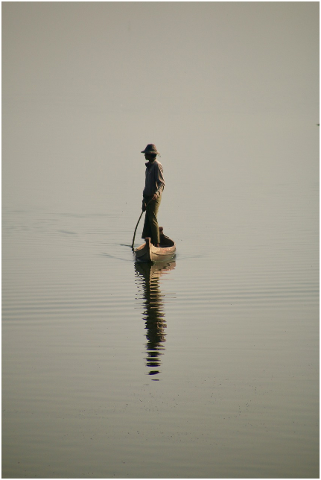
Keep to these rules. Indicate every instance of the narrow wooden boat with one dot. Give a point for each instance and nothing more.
(149, 253)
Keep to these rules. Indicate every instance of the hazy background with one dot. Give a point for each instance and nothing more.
(227, 91)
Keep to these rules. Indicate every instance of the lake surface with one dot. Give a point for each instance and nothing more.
(206, 367)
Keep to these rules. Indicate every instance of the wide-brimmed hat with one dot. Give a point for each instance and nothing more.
(151, 148)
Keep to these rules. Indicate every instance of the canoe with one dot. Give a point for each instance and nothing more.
(147, 252)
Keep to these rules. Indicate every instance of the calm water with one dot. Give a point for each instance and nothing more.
(204, 367)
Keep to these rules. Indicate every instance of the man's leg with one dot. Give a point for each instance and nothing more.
(151, 219)
(146, 230)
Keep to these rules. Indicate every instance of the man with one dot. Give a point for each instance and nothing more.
(152, 194)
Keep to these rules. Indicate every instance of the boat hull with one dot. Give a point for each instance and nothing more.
(149, 253)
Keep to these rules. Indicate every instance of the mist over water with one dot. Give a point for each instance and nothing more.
(206, 367)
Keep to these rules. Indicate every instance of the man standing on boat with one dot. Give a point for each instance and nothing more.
(152, 194)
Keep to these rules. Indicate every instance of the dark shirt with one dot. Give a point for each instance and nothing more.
(154, 179)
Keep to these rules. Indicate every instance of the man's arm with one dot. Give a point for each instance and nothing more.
(160, 181)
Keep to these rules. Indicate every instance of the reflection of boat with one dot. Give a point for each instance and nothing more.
(149, 253)
(153, 310)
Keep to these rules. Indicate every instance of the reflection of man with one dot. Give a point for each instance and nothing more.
(152, 194)
(153, 313)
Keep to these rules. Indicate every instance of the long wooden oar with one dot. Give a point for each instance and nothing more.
(140, 216)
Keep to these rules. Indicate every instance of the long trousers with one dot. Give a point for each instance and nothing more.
(151, 225)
